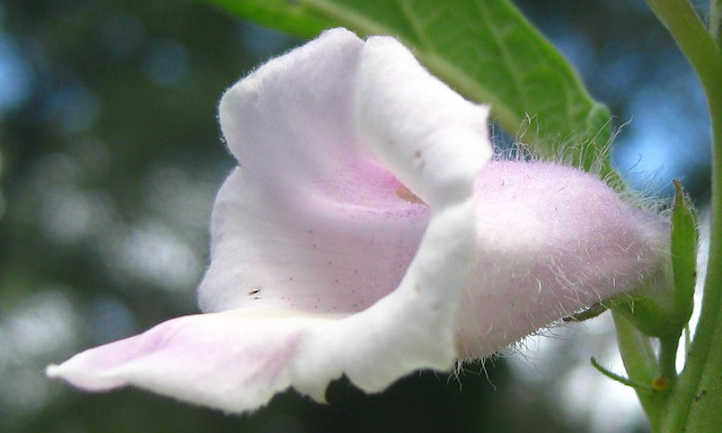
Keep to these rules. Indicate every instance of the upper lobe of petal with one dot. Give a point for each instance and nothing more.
(330, 138)
(291, 120)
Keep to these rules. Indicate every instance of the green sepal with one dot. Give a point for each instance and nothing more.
(685, 236)
(663, 306)
(621, 379)
(647, 315)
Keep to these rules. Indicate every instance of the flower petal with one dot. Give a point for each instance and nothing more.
(237, 360)
(430, 137)
(290, 122)
(334, 250)
(552, 240)
(313, 222)
(233, 360)
(304, 117)
(316, 219)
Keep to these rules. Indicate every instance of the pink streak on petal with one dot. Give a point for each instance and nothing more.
(310, 221)
(334, 246)
(232, 360)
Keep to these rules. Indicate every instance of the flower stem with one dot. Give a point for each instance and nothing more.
(695, 404)
(668, 357)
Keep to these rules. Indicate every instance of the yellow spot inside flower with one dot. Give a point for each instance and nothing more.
(405, 194)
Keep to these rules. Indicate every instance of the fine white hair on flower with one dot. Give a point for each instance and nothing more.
(366, 232)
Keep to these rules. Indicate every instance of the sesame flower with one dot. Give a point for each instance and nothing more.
(367, 232)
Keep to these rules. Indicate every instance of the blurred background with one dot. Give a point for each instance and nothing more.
(110, 156)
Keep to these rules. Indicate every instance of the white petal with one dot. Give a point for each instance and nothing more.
(323, 251)
(431, 138)
(238, 359)
(290, 122)
(233, 360)
(313, 221)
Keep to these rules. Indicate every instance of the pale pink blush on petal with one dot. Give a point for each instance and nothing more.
(237, 359)
(337, 247)
(552, 240)
(291, 121)
(233, 360)
(315, 218)
(433, 139)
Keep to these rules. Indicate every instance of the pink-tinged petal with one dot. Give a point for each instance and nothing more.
(315, 223)
(309, 221)
(338, 103)
(336, 250)
(237, 360)
(291, 121)
(315, 218)
(552, 240)
(412, 327)
(430, 137)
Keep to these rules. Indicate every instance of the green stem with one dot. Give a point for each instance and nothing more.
(621, 379)
(668, 358)
(696, 402)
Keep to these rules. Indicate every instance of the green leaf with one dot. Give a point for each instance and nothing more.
(684, 252)
(485, 49)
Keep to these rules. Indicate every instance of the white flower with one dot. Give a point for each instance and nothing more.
(366, 233)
